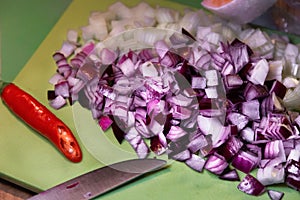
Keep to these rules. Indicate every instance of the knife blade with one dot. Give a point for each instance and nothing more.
(101, 180)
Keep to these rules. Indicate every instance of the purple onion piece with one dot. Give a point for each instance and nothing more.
(107, 56)
(278, 126)
(293, 181)
(230, 148)
(105, 122)
(245, 161)
(231, 175)
(293, 167)
(158, 144)
(252, 91)
(278, 88)
(176, 133)
(88, 48)
(197, 142)
(220, 62)
(216, 164)
(137, 143)
(293, 155)
(196, 163)
(127, 67)
(58, 56)
(275, 195)
(293, 174)
(198, 82)
(251, 109)
(51, 94)
(274, 149)
(251, 186)
(233, 81)
(67, 48)
(62, 89)
(271, 174)
(272, 104)
(240, 54)
(238, 119)
(246, 71)
(208, 148)
(78, 60)
(87, 72)
(118, 128)
(247, 134)
(171, 59)
(161, 48)
(58, 102)
(182, 156)
(175, 147)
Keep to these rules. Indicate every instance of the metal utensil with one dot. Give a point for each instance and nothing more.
(101, 180)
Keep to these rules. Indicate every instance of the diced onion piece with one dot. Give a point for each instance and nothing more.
(105, 122)
(245, 161)
(260, 72)
(251, 186)
(216, 164)
(232, 175)
(58, 102)
(72, 36)
(107, 56)
(272, 173)
(275, 149)
(62, 89)
(196, 162)
(275, 195)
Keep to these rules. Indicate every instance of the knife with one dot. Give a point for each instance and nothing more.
(101, 180)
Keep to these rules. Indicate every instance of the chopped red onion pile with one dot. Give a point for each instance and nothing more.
(209, 93)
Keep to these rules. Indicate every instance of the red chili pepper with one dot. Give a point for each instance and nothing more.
(41, 119)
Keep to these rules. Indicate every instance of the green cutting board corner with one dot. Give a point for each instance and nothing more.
(29, 160)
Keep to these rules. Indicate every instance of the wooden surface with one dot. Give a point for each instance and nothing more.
(10, 191)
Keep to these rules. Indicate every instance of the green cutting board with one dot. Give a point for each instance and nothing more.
(29, 160)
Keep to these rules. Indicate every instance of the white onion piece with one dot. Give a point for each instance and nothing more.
(260, 72)
(72, 36)
(67, 48)
(272, 173)
(294, 155)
